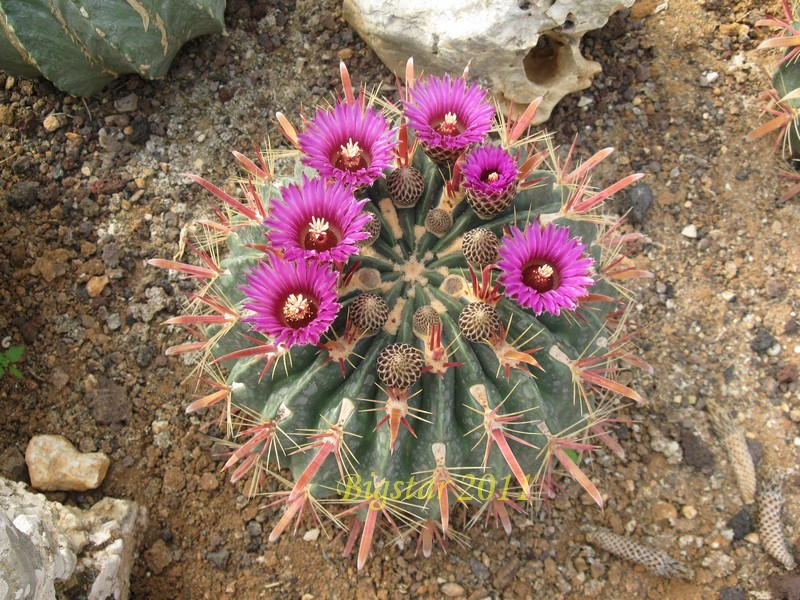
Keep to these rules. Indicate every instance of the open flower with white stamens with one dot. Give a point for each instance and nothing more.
(448, 116)
(348, 143)
(543, 268)
(293, 302)
(318, 220)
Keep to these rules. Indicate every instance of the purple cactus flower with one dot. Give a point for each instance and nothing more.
(543, 268)
(317, 219)
(490, 172)
(294, 301)
(348, 143)
(448, 116)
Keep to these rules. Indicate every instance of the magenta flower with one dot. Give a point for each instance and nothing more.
(348, 144)
(543, 268)
(448, 116)
(294, 301)
(490, 180)
(317, 219)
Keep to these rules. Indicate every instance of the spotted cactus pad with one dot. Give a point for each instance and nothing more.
(396, 368)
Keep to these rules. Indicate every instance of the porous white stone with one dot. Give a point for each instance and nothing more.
(54, 464)
(44, 544)
(521, 49)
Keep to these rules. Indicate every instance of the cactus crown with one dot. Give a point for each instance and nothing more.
(388, 370)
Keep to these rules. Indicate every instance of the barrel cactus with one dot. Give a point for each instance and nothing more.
(82, 45)
(782, 101)
(399, 363)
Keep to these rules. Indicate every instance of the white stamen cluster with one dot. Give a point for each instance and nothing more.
(296, 305)
(318, 226)
(351, 149)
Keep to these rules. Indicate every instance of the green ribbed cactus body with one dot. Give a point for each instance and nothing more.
(82, 45)
(307, 392)
(462, 350)
(786, 79)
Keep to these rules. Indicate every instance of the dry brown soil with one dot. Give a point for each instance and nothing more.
(104, 192)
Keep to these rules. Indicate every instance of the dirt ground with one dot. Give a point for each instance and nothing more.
(84, 206)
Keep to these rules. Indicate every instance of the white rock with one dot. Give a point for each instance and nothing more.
(311, 535)
(54, 464)
(22, 573)
(523, 50)
(690, 231)
(43, 542)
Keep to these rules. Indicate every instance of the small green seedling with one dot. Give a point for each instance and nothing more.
(7, 360)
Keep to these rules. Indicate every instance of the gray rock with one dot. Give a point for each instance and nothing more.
(480, 570)
(640, 199)
(23, 195)
(219, 558)
(111, 255)
(762, 341)
(741, 523)
(732, 593)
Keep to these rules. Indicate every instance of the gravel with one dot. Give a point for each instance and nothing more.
(104, 191)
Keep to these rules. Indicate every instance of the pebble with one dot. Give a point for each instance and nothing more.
(505, 574)
(452, 590)
(741, 524)
(732, 593)
(127, 103)
(690, 231)
(696, 453)
(108, 142)
(113, 321)
(775, 288)
(109, 404)
(478, 568)
(311, 535)
(53, 122)
(219, 558)
(689, 511)
(96, 285)
(174, 480)
(664, 511)
(54, 464)
(23, 195)
(254, 528)
(6, 115)
(111, 255)
(158, 557)
(640, 199)
(208, 482)
(762, 341)
(12, 464)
